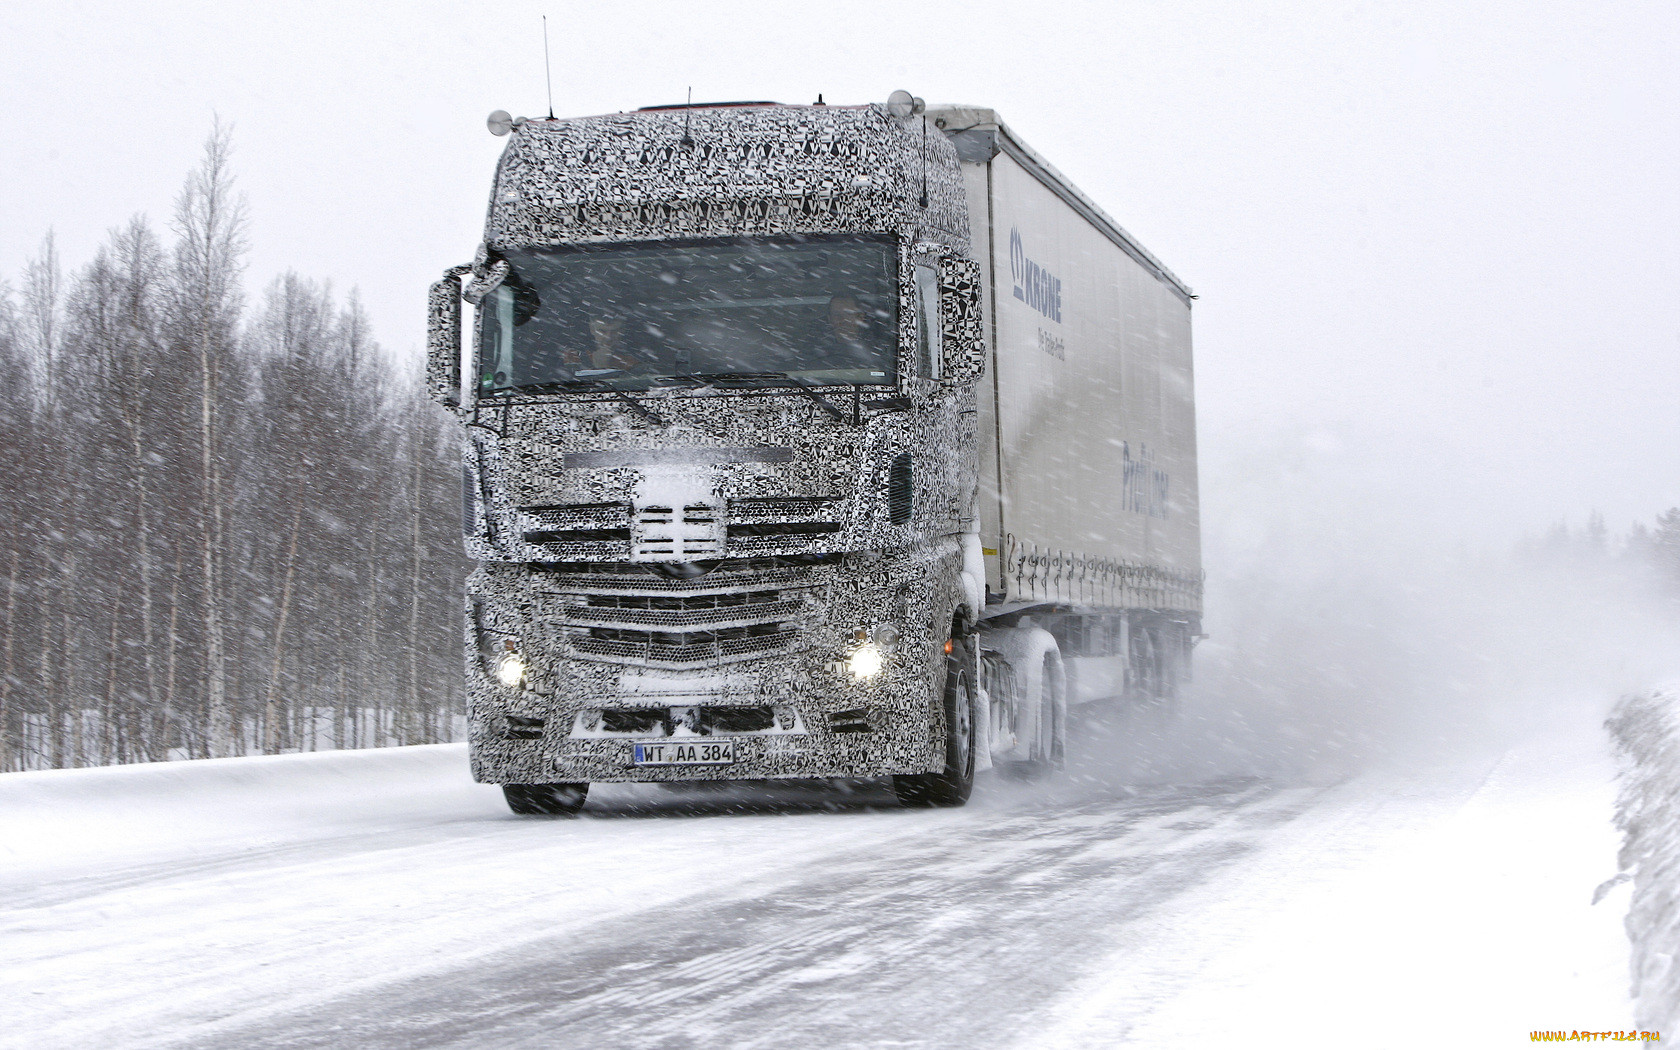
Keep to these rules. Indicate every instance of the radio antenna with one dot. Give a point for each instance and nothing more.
(924, 162)
(548, 74)
(688, 116)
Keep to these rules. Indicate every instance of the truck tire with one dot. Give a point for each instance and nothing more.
(545, 800)
(952, 785)
(1033, 707)
(1049, 752)
(1144, 665)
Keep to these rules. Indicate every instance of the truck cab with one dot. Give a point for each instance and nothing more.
(809, 441)
(720, 468)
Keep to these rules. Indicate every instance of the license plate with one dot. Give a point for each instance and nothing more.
(710, 753)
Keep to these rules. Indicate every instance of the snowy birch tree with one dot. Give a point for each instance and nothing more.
(209, 261)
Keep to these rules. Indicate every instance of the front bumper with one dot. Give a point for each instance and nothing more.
(783, 698)
(897, 745)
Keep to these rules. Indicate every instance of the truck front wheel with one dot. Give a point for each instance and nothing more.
(952, 785)
(545, 800)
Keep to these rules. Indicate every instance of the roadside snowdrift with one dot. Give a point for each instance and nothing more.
(1646, 727)
(73, 824)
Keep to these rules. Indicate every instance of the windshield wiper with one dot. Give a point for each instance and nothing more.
(565, 386)
(764, 379)
(823, 402)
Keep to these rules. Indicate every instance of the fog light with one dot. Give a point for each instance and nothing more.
(886, 636)
(510, 670)
(865, 662)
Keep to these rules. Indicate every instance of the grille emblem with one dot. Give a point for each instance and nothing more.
(677, 532)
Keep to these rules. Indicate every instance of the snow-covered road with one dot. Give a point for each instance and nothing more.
(380, 899)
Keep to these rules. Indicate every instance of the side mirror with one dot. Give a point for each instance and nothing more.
(443, 339)
(961, 318)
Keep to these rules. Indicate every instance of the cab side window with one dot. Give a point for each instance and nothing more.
(928, 346)
(496, 354)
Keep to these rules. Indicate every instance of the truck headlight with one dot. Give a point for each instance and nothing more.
(510, 670)
(865, 661)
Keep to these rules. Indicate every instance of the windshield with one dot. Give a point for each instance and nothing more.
(812, 310)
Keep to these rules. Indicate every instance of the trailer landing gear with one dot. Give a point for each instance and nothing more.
(545, 800)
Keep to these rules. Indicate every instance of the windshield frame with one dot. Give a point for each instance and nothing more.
(892, 345)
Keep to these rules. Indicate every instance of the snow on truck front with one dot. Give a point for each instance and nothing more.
(720, 460)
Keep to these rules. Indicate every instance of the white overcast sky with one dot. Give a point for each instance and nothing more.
(1437, 243)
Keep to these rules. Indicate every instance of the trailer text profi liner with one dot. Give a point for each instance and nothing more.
(809, 441)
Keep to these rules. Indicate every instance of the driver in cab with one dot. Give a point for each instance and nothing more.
(845, 344)
(608, 351)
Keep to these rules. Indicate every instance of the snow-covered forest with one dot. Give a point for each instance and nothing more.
(229, 520)
(1644, 551)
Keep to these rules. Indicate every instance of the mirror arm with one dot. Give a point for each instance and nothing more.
(487, 281)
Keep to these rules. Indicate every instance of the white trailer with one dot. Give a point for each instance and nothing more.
(1088, 515)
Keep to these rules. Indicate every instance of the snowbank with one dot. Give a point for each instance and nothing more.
(74, 823)
(1646, 727)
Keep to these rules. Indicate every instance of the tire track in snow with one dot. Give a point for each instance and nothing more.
(959, 937)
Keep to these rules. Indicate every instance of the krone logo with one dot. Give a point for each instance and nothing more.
(1034, 285)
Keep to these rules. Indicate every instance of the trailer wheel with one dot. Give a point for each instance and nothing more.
(1145, 666)
(545, 800)
(1049, 751)
(1167, 658)
(953, 785)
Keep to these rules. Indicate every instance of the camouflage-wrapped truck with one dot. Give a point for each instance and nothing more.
(809, 441)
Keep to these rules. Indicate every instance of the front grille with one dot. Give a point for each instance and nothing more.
(682, 602)
(658, 648)
(784, 528)
(579, 529)
(667, 532)
(781, 509)
(685, 638)
(735, 611)
(732, 575)
(579, 515)
(541, 536)
(772, 524)
(711, 611)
